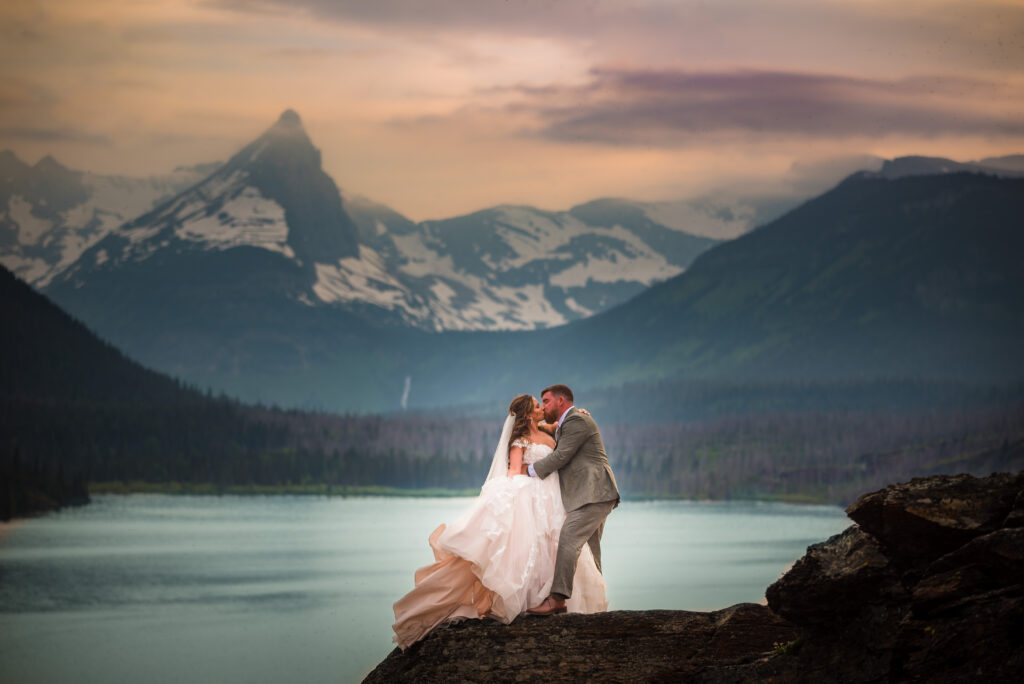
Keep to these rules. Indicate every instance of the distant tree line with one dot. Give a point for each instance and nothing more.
(811, 455)
(224, 442)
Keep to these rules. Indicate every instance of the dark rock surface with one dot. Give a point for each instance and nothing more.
(928, 586)
(618, 646)
(920, 520)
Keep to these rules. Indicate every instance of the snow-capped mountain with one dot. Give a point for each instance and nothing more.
(263, 281)
(49, 214)
(272, 195)
(505, 268)
(509, 267)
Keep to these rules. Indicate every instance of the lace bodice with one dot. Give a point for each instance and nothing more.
(532, 452)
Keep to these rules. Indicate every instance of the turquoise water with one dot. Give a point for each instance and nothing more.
(155, 588)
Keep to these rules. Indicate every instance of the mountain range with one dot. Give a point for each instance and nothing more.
(49, 214)
(503, 268)
(263, 280)
(907, 278)
(508, 267)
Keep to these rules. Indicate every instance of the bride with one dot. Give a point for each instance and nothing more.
(498, 558)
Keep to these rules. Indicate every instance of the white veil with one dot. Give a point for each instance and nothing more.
(499, 466)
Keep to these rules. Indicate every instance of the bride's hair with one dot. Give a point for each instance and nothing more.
(521, 407)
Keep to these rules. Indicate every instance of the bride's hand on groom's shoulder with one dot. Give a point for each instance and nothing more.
(583, 411)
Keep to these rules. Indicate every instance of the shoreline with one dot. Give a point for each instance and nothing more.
(7, 527)
(209, 489)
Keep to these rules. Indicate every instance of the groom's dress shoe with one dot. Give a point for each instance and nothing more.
(548, 606)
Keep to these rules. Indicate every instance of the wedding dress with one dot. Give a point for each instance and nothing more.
(498, 558)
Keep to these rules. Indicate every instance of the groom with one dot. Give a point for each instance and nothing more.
(588, 489)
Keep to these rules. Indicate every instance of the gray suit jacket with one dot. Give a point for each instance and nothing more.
(584, 475)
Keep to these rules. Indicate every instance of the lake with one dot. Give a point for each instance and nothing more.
(159, 588)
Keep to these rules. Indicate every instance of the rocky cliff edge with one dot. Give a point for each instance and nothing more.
(927, 586)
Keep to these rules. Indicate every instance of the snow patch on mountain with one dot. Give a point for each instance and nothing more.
(30, 269)
(496, 307)
(507, 268)
(31, 229)
(221, 185)
(443, 293)
(118, 199)
(46, 247)
(73, 244)
(418, 259)
(722, 220)
(531, 235)
(362, 280)
(582, 311)
(248, 218)
(521, 308)
(616, 267)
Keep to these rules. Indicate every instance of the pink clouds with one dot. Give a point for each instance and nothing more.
(443, 106)
(674, 107)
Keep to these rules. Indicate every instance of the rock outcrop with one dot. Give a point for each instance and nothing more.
(618, 646)
(927, 586)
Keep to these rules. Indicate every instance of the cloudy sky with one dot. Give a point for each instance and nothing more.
(440, 107)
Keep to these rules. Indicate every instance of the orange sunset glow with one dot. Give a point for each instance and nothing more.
(438, 108)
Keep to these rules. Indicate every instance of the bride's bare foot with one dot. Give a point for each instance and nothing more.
(548, 606)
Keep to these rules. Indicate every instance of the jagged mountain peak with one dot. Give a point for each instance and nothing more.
(284, 145)
(8, 154)
(10, 164)
(289, 119)
(48, 163)
(289, 126)
(50, 172)
(272, 194)
(47, 186)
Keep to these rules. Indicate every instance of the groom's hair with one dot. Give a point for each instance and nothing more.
(562, 390)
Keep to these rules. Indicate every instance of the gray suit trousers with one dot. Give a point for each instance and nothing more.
(582, 526)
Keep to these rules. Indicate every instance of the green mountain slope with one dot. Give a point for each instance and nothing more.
(49, 356)
(913, 277)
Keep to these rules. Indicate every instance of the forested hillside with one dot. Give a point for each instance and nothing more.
(907, 278)
(73, 410)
